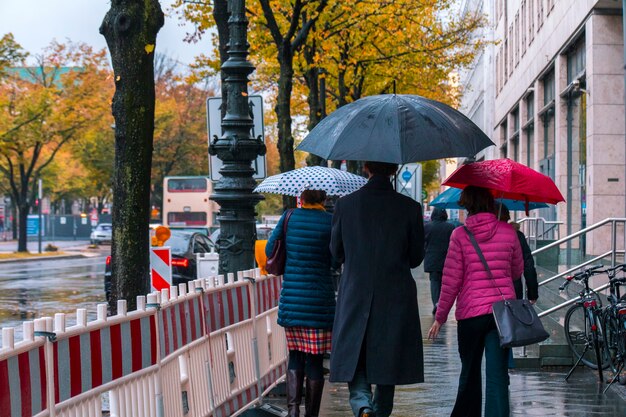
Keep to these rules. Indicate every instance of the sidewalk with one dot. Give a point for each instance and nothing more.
(534, 392)
(69, 248)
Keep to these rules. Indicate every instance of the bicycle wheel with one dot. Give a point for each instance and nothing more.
(580, 337)
(614, 345)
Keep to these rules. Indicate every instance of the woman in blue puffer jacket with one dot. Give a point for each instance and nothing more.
(307, 300)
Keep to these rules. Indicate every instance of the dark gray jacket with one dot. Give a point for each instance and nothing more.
(437, 238)
(379, 235)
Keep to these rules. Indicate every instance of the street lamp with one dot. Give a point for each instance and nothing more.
(237, 150)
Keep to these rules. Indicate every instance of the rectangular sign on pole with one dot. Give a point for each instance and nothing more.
(32, 225)
(409, 181)
(214, 124)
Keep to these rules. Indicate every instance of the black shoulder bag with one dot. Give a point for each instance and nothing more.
(516, 320)
(276, 261)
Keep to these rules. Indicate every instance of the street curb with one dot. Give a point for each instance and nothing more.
(43, 258)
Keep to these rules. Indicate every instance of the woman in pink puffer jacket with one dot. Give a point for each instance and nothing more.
(466, 281)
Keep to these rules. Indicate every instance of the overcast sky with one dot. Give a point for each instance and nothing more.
(35, 23)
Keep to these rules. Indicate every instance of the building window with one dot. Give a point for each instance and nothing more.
(506, 60)
(548, 88)
(530, 107)
(531, 21)
(517, 39)
(576, 60)
(529, 130)
(497, 72)
(511, 45)
(523, 27)
(504, 134)
(547, 116)
(515, 135)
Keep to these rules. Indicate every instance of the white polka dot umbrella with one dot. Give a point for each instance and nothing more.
(331, 180)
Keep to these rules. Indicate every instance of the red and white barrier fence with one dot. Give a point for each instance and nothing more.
(202, 349)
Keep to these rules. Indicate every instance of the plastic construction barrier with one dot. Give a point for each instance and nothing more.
(23, 379)
(208, 348)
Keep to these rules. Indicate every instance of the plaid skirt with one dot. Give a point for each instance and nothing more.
(305, 339)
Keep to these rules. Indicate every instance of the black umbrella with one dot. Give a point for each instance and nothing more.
(395, 128)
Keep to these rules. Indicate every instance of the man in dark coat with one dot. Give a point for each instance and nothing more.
(437, 239)
(379, 236)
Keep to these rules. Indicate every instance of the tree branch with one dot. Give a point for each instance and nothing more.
(272, 25)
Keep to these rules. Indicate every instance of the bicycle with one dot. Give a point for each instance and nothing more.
(583, 325)
(614, 321)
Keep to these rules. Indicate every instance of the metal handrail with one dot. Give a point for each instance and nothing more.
(570, 302)
(613, 253)
(562, 274)
(580, 233)
(536, 220)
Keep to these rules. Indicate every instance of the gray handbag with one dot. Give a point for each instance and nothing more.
(516, 320)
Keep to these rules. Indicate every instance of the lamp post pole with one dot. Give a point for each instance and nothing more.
(237, 150)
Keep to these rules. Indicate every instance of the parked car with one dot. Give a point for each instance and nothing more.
(204, 230)
(101, 233)
(263, 232)
(184, 246)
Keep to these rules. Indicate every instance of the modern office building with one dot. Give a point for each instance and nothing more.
(555, 74)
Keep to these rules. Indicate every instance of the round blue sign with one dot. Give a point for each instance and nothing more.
(406, 175)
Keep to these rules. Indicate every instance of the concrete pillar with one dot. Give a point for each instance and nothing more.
(605, 123)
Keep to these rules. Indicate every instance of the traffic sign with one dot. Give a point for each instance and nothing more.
(160, 267)
(409, 182)
(214, 123)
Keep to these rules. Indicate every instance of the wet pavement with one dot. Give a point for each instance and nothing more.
(38, 288)
(33, 245)
(534, 392)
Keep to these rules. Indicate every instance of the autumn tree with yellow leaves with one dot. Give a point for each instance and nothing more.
(43, 108)
(359, 48)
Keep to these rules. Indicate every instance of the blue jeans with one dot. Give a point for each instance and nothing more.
(477, 335)
(361, 394)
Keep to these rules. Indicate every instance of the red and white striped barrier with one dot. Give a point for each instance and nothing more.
(23, 380)
(160, 267)
(209, 349)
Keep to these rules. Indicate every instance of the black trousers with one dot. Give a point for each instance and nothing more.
(435, 286)
(477, 335)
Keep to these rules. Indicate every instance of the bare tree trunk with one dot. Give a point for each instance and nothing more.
(14, 221)
(22, 242)
(283, 113)
(130, 28)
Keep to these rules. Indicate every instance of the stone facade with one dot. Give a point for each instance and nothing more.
(558, 90)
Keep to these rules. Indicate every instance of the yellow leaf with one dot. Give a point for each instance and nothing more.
(118, 78)
(149, 48)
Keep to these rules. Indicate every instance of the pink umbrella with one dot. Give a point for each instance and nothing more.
(507, 179)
